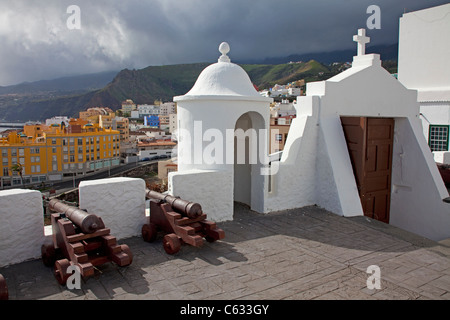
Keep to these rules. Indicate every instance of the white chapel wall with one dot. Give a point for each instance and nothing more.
(416, 197)
(424, 49)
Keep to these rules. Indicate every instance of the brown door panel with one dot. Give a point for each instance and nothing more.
(370, 142)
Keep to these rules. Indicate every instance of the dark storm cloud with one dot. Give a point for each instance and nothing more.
(35, 42)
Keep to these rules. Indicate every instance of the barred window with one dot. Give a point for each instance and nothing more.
(438, 138)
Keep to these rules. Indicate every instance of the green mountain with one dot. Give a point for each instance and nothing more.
(71, 84)
(147, 85)
(165, 82)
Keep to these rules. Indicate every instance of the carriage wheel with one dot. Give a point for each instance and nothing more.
(126, 249)
(210, 239)
(171, 243)
(149, 232)
(3, 289)
(61, 271)
(48, 254)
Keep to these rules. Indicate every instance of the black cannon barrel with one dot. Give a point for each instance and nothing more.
(184, 207)
(88, 222)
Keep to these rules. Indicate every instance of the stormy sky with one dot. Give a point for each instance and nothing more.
(36, 42)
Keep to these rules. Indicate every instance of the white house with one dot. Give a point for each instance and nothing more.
(173, 122)
(167, 108)
(57, 120)
(148, 109)
(285, 108)
(351, 150)
(424, 65)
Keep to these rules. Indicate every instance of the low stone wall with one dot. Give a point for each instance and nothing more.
(21, 225)
(214, 193)
(120, 202)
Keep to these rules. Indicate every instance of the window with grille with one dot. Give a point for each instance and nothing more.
(438, 138)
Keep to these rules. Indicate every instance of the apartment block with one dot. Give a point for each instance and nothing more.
(52, 153)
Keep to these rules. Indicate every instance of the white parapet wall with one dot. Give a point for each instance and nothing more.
(213, 190)
(120, 202)
(442, 156)
(21, 225)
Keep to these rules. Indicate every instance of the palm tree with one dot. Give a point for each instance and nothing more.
(18, 168)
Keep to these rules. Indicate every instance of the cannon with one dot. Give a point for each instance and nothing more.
(87, 222)
(81, 239)
(190, 209)
(3, 289)
(182, 222)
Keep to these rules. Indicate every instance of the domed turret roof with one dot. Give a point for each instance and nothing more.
(223, 79)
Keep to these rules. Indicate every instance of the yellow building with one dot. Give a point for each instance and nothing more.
(52, 153)
(120, 124)
(93, 113)
(128, 106)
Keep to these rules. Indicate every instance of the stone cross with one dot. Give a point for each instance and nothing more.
(362, 40)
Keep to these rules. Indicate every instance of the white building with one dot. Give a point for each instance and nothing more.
(147, 110)
(134, 114)
(351, 150)
(281, 91)
(173, 122)
(294, 91)
(424, 65)
(285, 108)
(167, 108)
(57, 120)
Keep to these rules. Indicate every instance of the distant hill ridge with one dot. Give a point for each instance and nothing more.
(387, 52)
(85, 82)
(68, 96)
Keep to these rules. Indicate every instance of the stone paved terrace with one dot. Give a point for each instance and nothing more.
(299, 254)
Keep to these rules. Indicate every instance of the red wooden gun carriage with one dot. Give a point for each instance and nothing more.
(181, 221)
(81, 239)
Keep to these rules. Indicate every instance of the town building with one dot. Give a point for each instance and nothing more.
(282, 109)
(173, 123)
(57, 120)
(164, 121)
(279, 129)
(292, 89)
(167, 108)
(152, 121)
(52, 153)
(152, 148)
(121, 124)
(91, 114)
(144, 110)
(128, 106)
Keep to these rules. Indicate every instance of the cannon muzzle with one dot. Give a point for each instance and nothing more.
(87, 222)
(190, 209)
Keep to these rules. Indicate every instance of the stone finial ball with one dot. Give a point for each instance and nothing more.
(224, 48)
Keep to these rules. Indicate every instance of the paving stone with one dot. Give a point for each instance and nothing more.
(300, 254)
(442, 282)
(421, 276)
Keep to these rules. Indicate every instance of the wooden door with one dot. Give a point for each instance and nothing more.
(370, 142)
